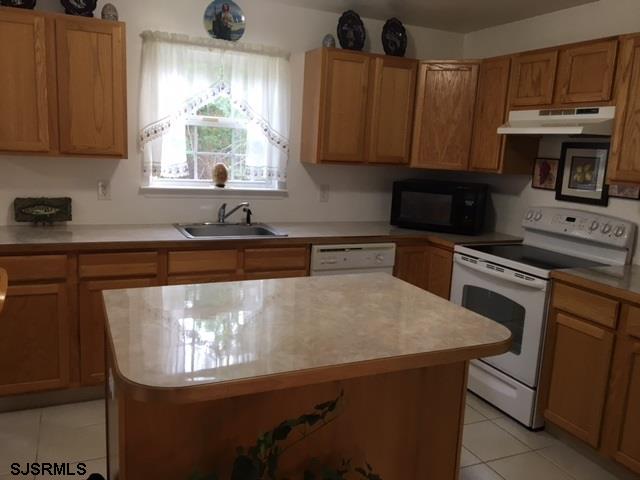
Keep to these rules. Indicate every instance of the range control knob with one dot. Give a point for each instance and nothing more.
(538, 216)
(594, 226)
(619, 231)
(606, 228)
(379, 258)
(529, 215)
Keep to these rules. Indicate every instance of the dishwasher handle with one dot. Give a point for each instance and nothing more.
(501, 272)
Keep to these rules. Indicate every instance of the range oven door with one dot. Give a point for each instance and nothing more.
(516, 300)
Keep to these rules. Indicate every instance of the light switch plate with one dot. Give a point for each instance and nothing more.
(104, 190)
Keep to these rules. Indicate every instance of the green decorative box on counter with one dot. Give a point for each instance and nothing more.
(42, 210)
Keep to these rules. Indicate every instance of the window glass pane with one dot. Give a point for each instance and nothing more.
(220, 108)
(498, 308)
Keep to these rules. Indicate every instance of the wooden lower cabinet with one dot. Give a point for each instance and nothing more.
(92, 324)
(580, 376)
(35, 338)
(591, 374)
(425, 266)
(623, 436)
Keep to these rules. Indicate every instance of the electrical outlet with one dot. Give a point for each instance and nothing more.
(324, 193)
(104, 190)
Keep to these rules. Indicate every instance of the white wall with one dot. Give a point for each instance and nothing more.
(357, 193)
(512, 195)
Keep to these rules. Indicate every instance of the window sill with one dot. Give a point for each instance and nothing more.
(192, 191)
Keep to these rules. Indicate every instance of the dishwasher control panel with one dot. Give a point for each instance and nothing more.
(353, 258)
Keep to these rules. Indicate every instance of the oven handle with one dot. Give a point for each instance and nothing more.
(503, 273)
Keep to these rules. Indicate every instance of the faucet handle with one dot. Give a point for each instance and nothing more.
(248, 211)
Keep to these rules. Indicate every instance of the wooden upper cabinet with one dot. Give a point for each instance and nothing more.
(392, 102)
(533, 78)
(357, 107)
(581, 360)
(490, 113)
(624, 157)
(586, 72)
(345, 107)
(444, 115)
(24, 91)
(91, 87)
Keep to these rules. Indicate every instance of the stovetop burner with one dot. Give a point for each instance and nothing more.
(535, 257)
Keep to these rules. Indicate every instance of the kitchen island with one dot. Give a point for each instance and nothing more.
(196, 371)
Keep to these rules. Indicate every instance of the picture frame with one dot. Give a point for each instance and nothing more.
(582, 173)
(629, 192)
(545, 173)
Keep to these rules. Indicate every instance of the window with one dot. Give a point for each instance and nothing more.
(203, 104)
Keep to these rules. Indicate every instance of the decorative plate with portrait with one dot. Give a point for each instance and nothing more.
(83, 8)
(225, 20)
(351, 32)
(30, 4)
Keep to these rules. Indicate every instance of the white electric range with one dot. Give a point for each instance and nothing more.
(510, 284)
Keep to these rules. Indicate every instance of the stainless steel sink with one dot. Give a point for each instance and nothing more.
(228, 230)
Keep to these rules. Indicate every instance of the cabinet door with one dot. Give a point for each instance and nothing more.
(624, 158)
(91, 87)
(533, 78)
(34, 339)
(24, 111)
(581, 359)
(412, 263)
(585, 72)
(625, 400)
(444, 115)
(439, 272)
(344, 107)
(490, 113)
(92, 325)
(392, 104)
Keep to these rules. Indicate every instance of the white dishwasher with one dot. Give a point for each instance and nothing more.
(354, 258)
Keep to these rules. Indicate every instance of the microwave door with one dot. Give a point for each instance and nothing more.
(516, 303)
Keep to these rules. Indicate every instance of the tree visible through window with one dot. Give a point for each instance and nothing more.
(217, 134)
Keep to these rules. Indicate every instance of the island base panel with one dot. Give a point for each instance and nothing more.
(407, 425)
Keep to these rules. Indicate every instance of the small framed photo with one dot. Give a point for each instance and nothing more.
(582, 172)
(631, 192)
(545, 173)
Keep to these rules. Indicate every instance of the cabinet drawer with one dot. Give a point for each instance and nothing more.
(277, 274)
(587, 305)
(40, 267)
(273, 259)
(632, 320)
(106, 265)
(203, 261)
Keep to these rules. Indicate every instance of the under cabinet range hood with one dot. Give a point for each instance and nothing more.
(565, 121)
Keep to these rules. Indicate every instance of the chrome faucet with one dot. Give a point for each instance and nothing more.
(223, 215)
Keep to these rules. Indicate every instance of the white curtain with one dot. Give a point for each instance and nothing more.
(180, 75)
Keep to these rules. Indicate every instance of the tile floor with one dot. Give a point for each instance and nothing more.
(495, 447)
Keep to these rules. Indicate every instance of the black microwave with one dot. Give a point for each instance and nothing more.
(450, 207)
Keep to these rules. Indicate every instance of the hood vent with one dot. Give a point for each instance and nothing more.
(571, 121)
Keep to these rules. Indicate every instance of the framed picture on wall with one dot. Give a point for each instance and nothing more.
(545, 173)
(630, 192)
(582, 172)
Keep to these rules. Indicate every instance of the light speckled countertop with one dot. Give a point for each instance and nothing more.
(215, 334)
(97, 236)
(622, 282)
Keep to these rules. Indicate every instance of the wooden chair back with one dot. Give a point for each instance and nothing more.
(4, 285)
